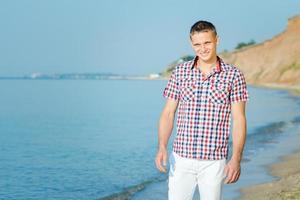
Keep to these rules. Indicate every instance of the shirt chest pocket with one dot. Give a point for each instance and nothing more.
(219, 92)
(187, 90)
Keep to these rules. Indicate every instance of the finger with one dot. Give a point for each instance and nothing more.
(237, 176)
(165, 158)
(163, 169)
(232, 178)
(156, 163)
(159, 164)
(164, 164)
(229, 176)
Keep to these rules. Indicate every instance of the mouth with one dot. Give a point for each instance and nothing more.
(204, 54)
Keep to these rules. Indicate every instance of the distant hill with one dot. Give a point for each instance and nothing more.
(274, 63)
(172, 65)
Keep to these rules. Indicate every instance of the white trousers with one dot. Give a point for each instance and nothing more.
(185, 174)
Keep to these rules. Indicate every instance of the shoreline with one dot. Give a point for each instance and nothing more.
(287, 183)
(257, 171)
(285, 170)
(294, 90)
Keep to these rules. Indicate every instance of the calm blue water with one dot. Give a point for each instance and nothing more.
(90, 139)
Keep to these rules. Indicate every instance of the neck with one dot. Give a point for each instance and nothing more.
(207, 64)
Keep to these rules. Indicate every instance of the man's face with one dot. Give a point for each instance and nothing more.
(205, 45)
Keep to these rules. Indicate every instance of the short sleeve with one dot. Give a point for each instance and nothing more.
(239, 90)
(172, 89)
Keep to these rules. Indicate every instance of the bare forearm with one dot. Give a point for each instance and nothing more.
(165, 129)
(239, 137)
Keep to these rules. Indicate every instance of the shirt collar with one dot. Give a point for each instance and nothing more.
(218, 67)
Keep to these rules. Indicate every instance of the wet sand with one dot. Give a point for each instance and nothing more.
(286, 187)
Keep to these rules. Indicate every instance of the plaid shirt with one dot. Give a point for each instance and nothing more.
(204, 114)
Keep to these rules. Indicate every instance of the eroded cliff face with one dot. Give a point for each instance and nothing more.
(275, 61)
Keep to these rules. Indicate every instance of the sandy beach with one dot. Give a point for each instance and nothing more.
(287, 173)
(286, 187)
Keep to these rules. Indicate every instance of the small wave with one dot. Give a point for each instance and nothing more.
(296, 120)
(128, 192)
(262, 136)
(266, 133)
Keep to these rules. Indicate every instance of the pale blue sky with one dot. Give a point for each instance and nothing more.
(124, 36)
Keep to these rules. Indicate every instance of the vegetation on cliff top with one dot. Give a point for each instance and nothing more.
(245, 44)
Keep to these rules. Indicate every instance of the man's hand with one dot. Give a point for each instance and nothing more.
(233, 171)
(233, 167)
(165, 128)
(161, 159)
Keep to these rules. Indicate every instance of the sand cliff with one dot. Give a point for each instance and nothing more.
(273, 62)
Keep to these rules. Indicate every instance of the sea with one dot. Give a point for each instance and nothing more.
(97, 139)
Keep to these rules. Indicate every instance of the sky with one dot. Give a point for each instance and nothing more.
(129, 37)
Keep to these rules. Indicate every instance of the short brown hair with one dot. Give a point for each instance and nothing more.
(202, 26)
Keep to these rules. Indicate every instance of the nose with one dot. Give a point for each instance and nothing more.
(202, 48)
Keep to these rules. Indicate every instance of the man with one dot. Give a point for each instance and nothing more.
(208, 93)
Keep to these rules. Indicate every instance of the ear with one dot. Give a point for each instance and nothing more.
(218, 39)
(191, 40)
